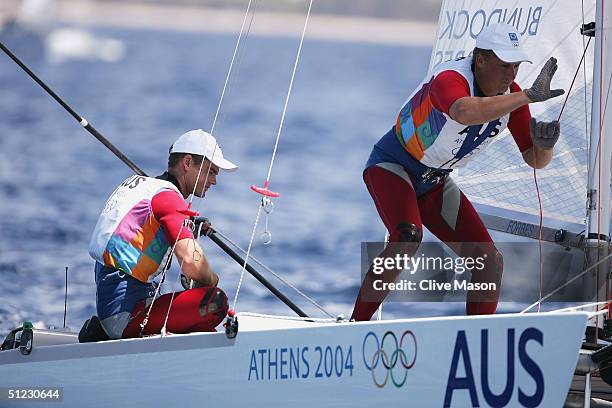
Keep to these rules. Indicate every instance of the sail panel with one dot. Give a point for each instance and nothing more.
(499, 176)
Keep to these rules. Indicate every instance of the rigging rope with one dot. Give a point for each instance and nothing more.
(196, 253)
(338, 319)
(246, 257)
(565, 284)
(577, 307)
(535, 178)
(229, 71)
(591, 315)
(225, 85)
(277, 276)
(297, 59)
(584, 74)
(265, 189)
(574, 79)
(145, 320)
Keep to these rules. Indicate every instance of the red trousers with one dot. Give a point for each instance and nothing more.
(193, 310)
(398, 206)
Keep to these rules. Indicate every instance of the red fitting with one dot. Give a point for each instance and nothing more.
(265, 191)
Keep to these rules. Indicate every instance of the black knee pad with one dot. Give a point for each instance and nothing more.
(409, 232)
(499, 261)
(494, 262)
(214, 305)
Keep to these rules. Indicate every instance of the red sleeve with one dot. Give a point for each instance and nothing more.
(446, 88)
(519, 123)
(165, 205)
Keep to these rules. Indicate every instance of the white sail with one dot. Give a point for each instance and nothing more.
(498, 176)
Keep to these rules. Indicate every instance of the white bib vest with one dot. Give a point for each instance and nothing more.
(431, 136)
(127, 237)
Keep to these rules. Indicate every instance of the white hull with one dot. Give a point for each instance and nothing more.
(280, 362)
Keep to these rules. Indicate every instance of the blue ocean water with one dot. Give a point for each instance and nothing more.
(55, 177)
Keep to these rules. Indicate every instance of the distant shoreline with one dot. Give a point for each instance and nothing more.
(266, 23)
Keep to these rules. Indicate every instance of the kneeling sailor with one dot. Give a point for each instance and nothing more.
(141, 225)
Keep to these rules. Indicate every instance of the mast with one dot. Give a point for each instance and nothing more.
(598, 187)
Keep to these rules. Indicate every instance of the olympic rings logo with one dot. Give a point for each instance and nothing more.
(400, 353)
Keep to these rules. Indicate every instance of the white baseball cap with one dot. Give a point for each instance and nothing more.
(203, 144)
(504, 40)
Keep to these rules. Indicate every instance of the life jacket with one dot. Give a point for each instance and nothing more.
(127, 237)
(431, 136)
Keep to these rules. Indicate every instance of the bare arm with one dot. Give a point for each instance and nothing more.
(474, 110)
(537, 157)
(193, 262)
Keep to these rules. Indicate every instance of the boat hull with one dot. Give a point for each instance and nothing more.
(504, 360)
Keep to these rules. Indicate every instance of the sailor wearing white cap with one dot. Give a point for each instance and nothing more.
(451, 116)
(200, 145)
(203, 144)
(504, 40)
(140, 225)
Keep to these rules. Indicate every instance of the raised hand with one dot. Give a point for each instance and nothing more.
(540, 90)
(544, 134)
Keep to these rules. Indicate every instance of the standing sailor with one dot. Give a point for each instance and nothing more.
(452, 115)
(141, 222)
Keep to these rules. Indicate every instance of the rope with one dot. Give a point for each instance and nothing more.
(229, 71)
(595, 315)
(574, 79)
(246, 257)
(297, 58)
(157, 289)
(584, 74)
(592, 315)
(296, 318)
(535, 178)
(577, 307)
(277, 276)
(278, 134)
(225, 85)
(195, 253)
(565, 284)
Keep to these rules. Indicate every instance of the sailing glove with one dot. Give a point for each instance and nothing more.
(540, 90)
(544, 134)
(205, 227)
(189, 283)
